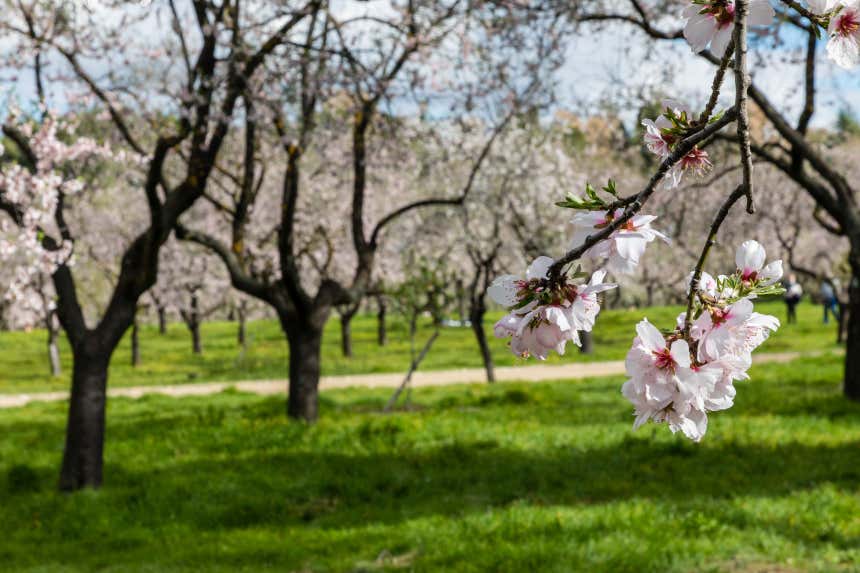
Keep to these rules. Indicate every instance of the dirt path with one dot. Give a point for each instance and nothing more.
(532, 373)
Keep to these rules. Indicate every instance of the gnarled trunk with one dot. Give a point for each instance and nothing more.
(305, 348)
(85, 431)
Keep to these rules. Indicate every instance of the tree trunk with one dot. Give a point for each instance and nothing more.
(162, 320)
(135, 343)
(852, 349)
(587, 342)
(242, 335)
(194, 325)
(305, 348)
(842, 321)
(381, 327)
(53, 348)
(346, 334)
(82, 457)
(476, 316)
(196, 343)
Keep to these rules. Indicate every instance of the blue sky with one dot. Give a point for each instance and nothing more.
(621, 63)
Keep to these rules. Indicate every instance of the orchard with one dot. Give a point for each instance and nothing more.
(430, 285)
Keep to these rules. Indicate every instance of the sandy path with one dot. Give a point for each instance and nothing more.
(532, 373)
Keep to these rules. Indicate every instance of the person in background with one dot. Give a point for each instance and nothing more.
(828, 299)
(793, 293)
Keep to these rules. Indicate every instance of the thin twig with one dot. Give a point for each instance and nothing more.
(742, 83)
(717, 84)
(712, 240)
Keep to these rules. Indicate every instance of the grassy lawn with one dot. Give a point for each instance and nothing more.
(512, 477)
(168, 359)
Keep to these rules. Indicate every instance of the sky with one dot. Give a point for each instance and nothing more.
(620, 63)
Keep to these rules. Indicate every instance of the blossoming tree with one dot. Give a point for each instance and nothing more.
(201, 80)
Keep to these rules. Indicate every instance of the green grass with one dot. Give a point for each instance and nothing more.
(513, 477)
(168, 359)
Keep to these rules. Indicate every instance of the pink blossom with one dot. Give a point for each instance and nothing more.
(734, 330)
(621, 252)
(544, 318)
(843, 47)
(713, 23)
(750, 258)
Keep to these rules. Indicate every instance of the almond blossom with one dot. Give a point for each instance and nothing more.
(843, 47)
(731, 331)
(662, 385)
(663, 133)
(621, 252)
(713, 22)
(545, 317)
(679, 377)
(750, 258)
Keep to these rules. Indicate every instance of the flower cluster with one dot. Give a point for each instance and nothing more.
(31, 196)
(713, 21)
(661, 136)
(545, 316)
(679, 377)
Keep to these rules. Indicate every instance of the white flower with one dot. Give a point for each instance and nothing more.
(843, 47)
(654, 139)
(750, 258)
(623, 249)
(586, 307)
(653, 368)
(713, 23)
(734, 330)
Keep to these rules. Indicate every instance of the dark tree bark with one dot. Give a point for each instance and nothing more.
(476, 316)
(305, 341)
(192, 319)
(484, 265)
(135, 343)
(82, 456)
(587, 343)
(346, 317)
(162, 319)
(381, 326)
(242, 336)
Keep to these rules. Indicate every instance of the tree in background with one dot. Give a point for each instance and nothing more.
(342, 64)
(200, 80)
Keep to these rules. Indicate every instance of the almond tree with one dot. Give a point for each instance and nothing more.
(195, 85)
(340, 98)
